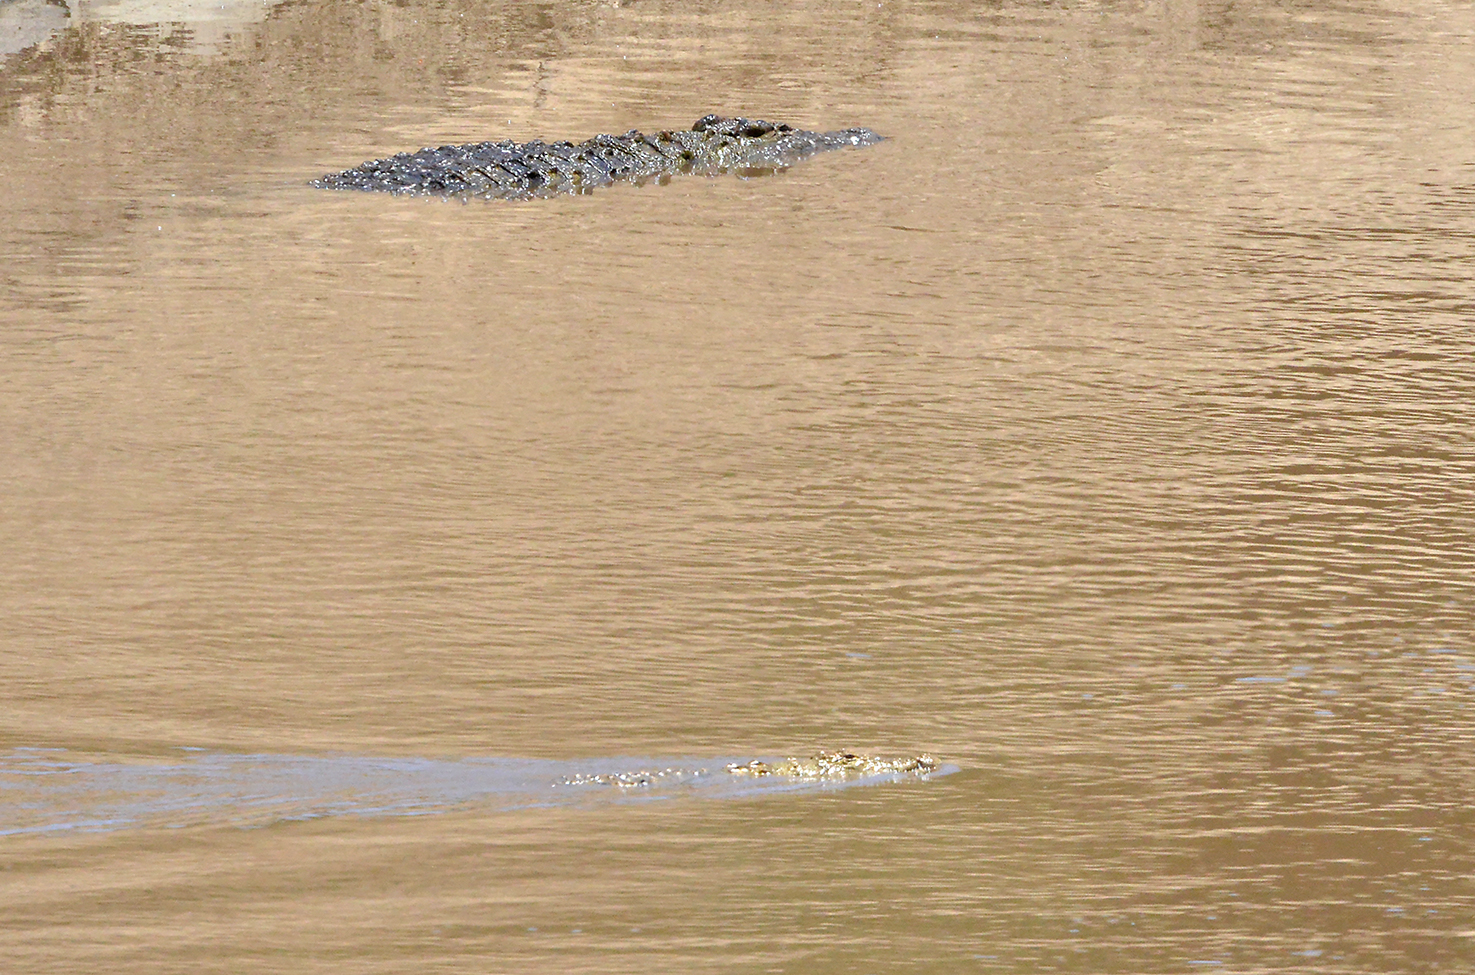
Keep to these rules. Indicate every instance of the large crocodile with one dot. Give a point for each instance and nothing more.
(525, 170)
(824, 766)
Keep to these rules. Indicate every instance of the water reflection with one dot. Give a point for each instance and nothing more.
(193, 27)
(26, 23)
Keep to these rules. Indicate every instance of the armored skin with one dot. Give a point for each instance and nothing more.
(822, 767)
(828, 764)
(527, 170)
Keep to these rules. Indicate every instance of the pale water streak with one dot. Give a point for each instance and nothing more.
(51, 791)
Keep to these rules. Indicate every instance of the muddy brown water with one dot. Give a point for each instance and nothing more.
(1107, 431)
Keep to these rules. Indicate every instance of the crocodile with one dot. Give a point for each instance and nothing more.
(527, 170)
(832, 764)
(825, 765)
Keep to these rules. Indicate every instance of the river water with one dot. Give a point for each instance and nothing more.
(1107, 432)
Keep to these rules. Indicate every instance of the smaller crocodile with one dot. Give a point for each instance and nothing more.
(824, 766)
(832, 764)
(525, 170)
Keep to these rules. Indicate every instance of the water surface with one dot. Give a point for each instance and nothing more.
(1106, 431)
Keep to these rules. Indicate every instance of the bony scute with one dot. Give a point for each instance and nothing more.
(833, 764)
(535, 169)
(825, 765)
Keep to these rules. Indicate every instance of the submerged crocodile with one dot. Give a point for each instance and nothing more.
(830, 764)
(825, 765)
(526, 170)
